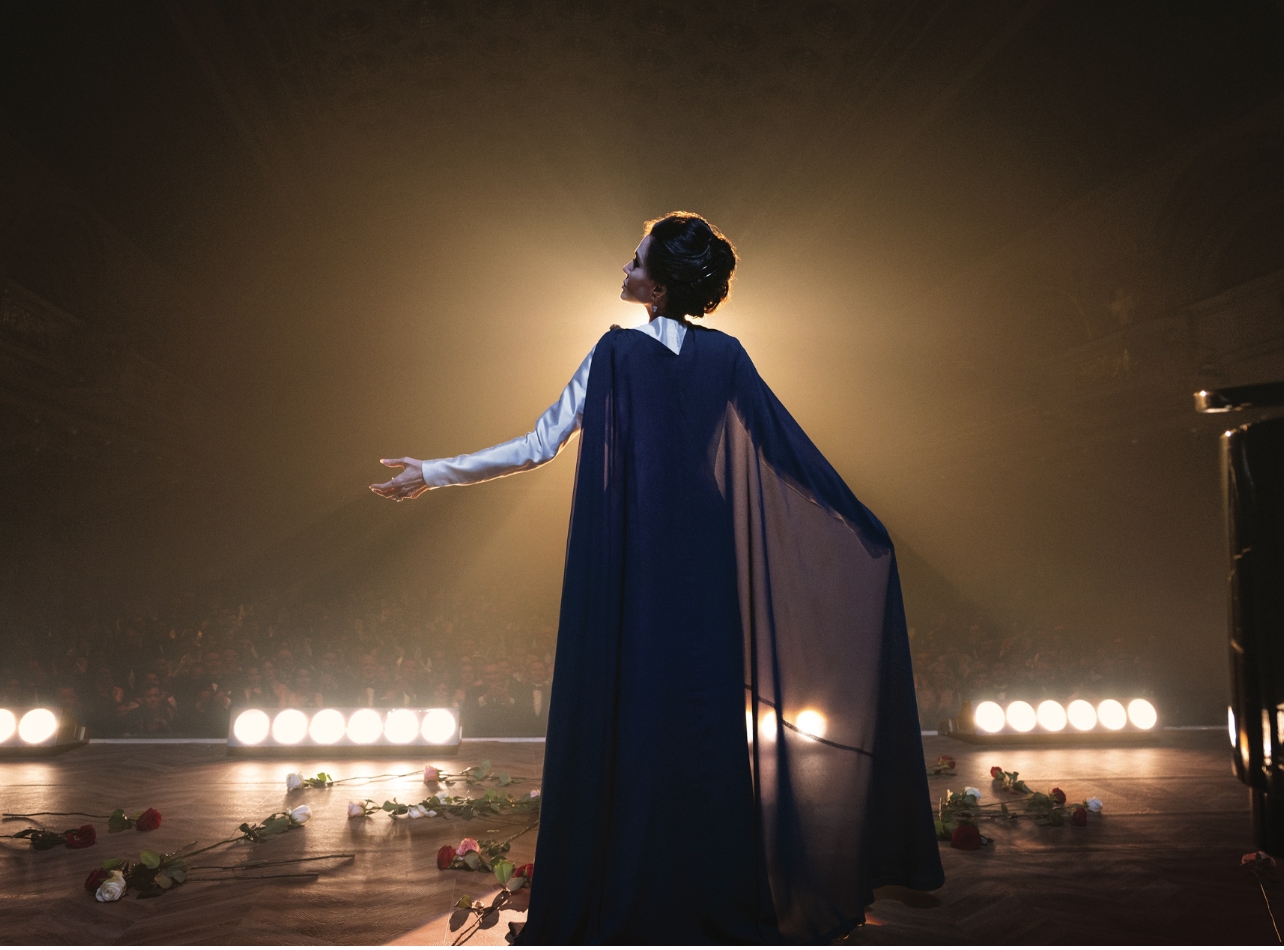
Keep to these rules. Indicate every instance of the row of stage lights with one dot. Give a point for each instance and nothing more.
(1051, 716)
(35, 727)
(256, 728)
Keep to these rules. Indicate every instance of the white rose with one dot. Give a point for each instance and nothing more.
(301, 814)
(111, 889)
(1094, 804)
(974, 792)
(430, 814)
(293, 781)
(356, 809)
(414, 811)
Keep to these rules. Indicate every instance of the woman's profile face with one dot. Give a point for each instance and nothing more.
(638, 287)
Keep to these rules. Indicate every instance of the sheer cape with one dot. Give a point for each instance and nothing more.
(733, 750)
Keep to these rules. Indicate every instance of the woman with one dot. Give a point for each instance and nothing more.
(720, 579)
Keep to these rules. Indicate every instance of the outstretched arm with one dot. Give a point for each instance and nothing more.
(539, 446)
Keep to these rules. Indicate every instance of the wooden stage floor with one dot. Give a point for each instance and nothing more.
(1160, 866)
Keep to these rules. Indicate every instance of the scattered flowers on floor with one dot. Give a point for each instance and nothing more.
(112, 887)
(958, 812)
(945, 765)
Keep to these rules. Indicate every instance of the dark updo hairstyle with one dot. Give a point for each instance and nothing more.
(692, 260)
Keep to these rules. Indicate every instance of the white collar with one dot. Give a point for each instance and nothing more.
(668, 331)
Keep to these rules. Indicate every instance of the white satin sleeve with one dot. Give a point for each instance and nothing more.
(539, 446)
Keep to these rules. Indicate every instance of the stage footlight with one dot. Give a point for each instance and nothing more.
(1230, 726)
(327, 727)
(1021, 723)
(251, 727)
(1142, 714)
(289, 727)
(989, 717)
(364, 726)
(1082, 715)
(1021, 716)
(401, 726)
(1052, 715)
(767, 726)
(1112, 714)
(343, 732)
(38, 731)
(812, 723)
(37, 725)
(439, 726)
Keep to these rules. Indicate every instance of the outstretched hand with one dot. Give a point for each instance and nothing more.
(408, 483)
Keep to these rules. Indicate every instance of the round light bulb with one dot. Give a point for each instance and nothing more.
(37, 726)
(8, 725)
(327, 727)
(251, 727)
(401, 726)
(1081, 715)
(1112, 714)
(767, 726)
(439, 726)
(811, 722)
(364, 726)
(1051, 715)
(1142, 714)
(988, 716)
(1021, 716)
(289, 727)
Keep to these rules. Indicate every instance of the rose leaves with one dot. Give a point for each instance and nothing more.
(148, 820)
(75, 838)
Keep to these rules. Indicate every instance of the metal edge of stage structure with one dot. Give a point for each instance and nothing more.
(1252, 463)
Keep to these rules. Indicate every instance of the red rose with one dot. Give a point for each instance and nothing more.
(148, 821)
(526, 870)
(81, 837)
(1058, 796)
(444, 856)
(96, 877)
(995, 771)
(967, 838)
(949, 760)
(1079, 817)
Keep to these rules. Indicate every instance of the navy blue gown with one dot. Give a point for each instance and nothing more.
(733, 750)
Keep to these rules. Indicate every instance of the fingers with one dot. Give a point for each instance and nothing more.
(393, 463)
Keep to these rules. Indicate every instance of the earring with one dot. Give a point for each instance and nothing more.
(654, 310)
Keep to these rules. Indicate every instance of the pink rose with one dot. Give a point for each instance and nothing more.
(468, 844)
(431, 775)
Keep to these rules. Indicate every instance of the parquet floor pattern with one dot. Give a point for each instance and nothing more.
(1161, 865)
